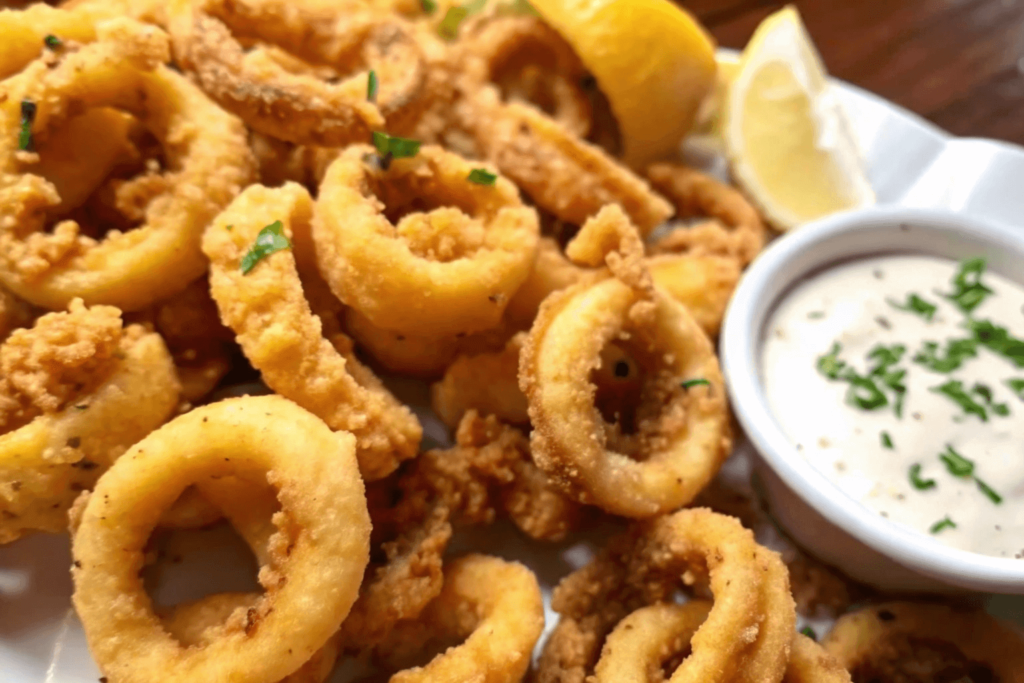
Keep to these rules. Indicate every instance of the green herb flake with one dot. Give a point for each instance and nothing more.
(987, 490)
(521, 7)
(830, 365)
(82, 406)
(949, 359)
(998, 340)
(886, 440)
(270, 240)
(968, 291)
(695, 383)
(916, 480)
(481, 176)
(28, 116)
(809, 632)
(954, 391)
(983, 390)
(958, 465)
(1016, 385)
(428, 6)
(372, 86)
(943, 524)
(449, 27)
(864, 393)
(53, 42)
(916, 304)
(816, 315)
(390, 147)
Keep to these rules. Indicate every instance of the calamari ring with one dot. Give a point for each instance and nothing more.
(194, 624)
(46, 463)
(288, 104)
(564, 175)
(704, 284)
(737, 231)
(284, 340)
(22, 32)
(446, 271)
(895, 638)
(486, 382)
(642, 642)
(529, 62)
(683, 448)
(551, 272)
(738, 640)
(318, 554)
(207, 157)
(502, 626)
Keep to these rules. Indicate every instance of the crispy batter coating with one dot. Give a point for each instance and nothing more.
(486, 382)
(76, 390)
(737, 230)
(280, 335)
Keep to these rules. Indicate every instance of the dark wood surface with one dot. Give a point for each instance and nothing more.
(958, 63)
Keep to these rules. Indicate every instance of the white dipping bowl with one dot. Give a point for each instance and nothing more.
(813, 510)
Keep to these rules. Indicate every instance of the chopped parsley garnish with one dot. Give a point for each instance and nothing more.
(968, 291)
(942, 524)
(916, 480)
(954, 391)
(864, 394)
(829, 364)
(983, 390)
(481, 176)
(987, 490)
(809, 632)
(28, 116)
(390, 147)
(1016, 385)
(695, 383)
(998, 340)
(449, 28)
(886, 440)
(950, 359)
(372, 86)
(270, 240)
(429, 6)
(53, 42)
(518, 7)
(816, 315)
(916, 304)
(958, 465)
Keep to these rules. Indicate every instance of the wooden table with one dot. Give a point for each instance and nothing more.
(958, 63)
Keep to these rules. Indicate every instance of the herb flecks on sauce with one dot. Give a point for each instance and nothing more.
(916, 304)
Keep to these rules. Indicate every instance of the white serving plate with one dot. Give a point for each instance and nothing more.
(910, 162)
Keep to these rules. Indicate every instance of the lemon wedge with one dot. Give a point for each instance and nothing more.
(651, 59)
(789, 143)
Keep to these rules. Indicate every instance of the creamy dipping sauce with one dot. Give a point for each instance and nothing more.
(911, 401)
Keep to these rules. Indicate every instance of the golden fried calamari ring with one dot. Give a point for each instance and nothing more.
(684, 431)
(748, 630)
(528, 61)
(284, 340)
(443, 271)
(486, 382)
(551, 272)
(420, 356)
(643, 642)
(47, 462)
(22, 32)
(207, 160)
(704, 284)
(564, 175)
(501, 625)
(294, 105)
(318, 554)
(195, 624)
(737, 231)
(894, 639)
